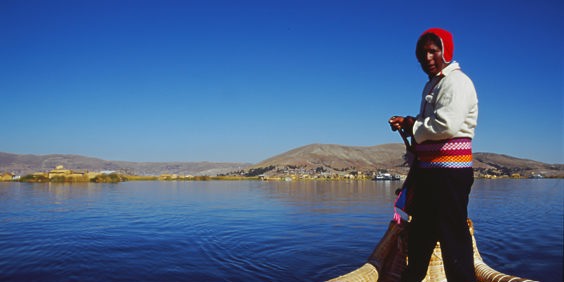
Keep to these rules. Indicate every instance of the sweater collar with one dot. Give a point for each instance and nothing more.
(448, 69)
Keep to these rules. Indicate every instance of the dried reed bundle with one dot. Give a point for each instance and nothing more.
(389, 260)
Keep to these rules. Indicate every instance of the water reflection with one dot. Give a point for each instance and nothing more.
(336, 192)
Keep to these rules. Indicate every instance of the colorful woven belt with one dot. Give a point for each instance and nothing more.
(452, 153)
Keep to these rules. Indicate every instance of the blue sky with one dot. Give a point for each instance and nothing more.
(241, 81)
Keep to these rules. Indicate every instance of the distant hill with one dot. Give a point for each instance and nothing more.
(328, 157)
(26, 164)
(391, 157)
(490, 162)
(340, 157)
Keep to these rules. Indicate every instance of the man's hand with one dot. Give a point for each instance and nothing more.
(396, 122)
(405, 123)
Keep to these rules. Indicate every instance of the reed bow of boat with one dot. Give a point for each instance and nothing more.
(389, 260)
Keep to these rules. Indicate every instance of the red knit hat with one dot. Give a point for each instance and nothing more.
(446, 41)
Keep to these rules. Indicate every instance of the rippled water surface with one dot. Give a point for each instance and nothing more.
(250, 230)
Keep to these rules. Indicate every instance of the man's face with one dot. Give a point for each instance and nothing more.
(430, 57)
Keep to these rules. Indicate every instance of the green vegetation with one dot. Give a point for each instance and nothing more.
(115, 178)
(209, 178)
(140, 178)
(61, 179)
(101, 178)
(108, 178)
(258, 171)
(34, 178)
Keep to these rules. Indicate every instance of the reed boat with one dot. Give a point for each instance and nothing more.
(389, 260)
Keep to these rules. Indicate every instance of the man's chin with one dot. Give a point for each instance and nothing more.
(431, 71)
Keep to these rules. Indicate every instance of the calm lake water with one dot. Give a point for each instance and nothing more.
(250, 230)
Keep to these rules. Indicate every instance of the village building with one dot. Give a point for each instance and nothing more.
(7, 176)
(60, 171)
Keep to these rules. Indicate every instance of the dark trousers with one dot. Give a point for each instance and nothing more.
(440, 213)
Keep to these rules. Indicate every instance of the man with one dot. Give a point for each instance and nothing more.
(443, 132)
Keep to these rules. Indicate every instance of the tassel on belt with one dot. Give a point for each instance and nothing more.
(451, 153)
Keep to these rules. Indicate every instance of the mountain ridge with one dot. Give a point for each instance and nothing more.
(312, 156)
(391, 157)
(340, 156)
(21, 164)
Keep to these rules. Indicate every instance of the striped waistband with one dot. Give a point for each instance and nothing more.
(451, 153)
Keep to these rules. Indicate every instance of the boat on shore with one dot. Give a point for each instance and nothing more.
(389, 260)
(386, 176)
